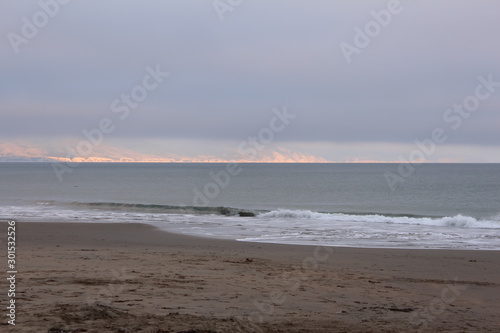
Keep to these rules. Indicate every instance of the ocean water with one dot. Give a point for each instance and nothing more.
(439, 206)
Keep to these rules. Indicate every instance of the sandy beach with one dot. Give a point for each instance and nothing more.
(75, 277)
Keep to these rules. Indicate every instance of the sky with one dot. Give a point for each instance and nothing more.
(341, 81)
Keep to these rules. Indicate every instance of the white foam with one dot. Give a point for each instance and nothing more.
(458, 221)
(296, 227)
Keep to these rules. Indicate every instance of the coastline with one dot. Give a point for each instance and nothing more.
(122, 277)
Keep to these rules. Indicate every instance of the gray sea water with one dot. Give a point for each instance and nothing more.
(454, 206)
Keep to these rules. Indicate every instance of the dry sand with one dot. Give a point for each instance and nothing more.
(135, 278)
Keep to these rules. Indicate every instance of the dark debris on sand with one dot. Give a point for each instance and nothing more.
(98, 318)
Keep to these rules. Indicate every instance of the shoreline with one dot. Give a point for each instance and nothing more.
(221, 238)
(158, 228)
(111, 277)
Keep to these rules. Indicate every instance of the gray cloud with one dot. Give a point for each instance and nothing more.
(227, 76)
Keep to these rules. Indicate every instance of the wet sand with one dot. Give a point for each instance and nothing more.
(76, 277)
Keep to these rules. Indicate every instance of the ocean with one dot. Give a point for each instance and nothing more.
(436, 206)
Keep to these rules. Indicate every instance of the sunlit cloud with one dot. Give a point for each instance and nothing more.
(65, 150)
(226, 77)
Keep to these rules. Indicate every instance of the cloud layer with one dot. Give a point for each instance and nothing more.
(225, 77)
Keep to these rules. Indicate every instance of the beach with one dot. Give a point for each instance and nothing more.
(249, 166)
(96, 277)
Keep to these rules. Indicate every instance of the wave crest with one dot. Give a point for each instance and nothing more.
(458, 221)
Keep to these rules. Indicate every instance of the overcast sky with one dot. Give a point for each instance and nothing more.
(230, 66)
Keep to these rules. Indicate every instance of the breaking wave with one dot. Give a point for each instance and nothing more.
(458, 221)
